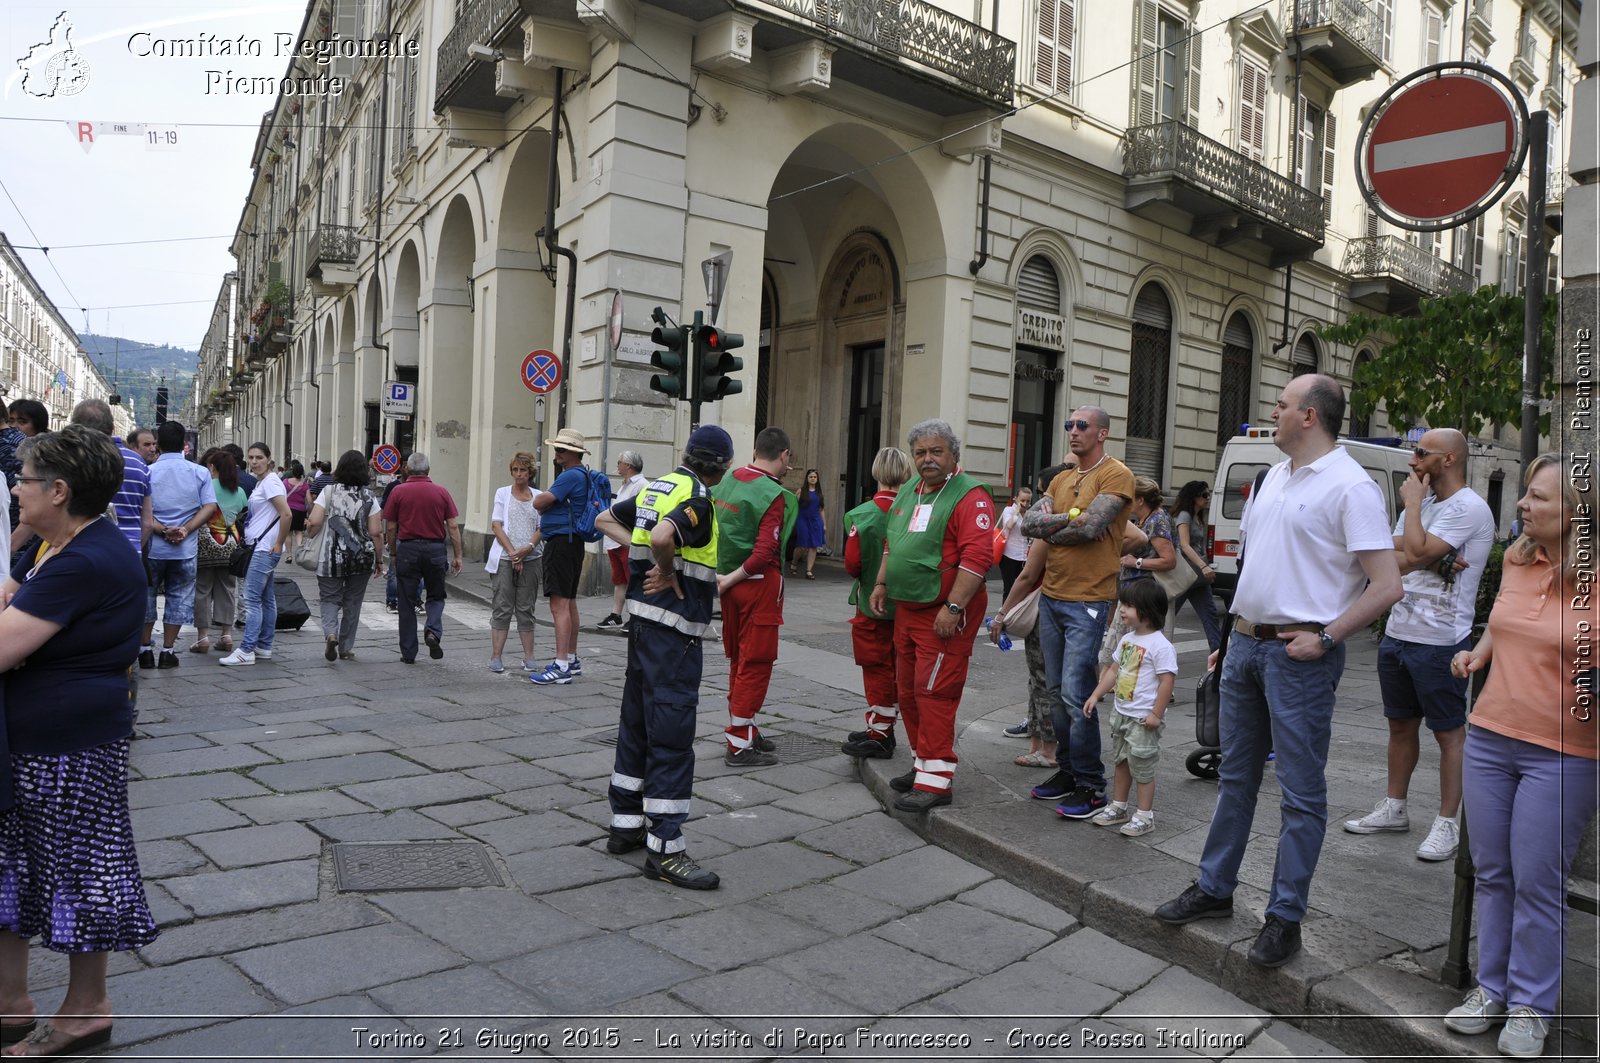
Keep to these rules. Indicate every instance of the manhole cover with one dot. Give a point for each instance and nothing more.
(792, 748)
(376, 867)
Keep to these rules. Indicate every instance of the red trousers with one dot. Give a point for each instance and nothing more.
(873, 642)
(752, 611)
(931, 673)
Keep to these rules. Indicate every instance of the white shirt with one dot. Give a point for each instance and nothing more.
(1016, 542)
(502, 512)
(263, 512)
(1304, 531)
(630, 487)
(1141, 661)
(1431, 613)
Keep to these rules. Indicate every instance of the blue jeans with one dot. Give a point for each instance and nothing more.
(260, 601)
(421, 566)
(175, 577)
(1069, 635)
(1272, 702)
(1199, 596)
(1522, 891)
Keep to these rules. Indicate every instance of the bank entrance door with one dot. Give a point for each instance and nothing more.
(866, 424)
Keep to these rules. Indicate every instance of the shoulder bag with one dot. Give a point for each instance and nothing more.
(239, 563)
(1024, 616)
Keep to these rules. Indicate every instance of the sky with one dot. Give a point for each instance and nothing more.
(119, 190)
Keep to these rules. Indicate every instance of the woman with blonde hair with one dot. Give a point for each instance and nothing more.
(872, 634)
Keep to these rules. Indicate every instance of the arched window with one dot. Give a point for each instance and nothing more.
(1305, 356)
(1233, 399)
(1359, 426)
(1150, 360)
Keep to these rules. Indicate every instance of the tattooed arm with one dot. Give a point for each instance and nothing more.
(1061, 529)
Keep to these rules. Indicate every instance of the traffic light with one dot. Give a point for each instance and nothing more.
(161, 404)
(716, 363)
(671, 357)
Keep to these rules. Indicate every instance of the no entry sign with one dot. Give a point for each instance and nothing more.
(541, 372)
(1438, 149)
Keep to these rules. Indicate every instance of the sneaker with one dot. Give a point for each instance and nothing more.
(169, 659)
(347, 655)
(575, 665)
(922, 800)
(869, 748)
(263, 655)
(902, 784)
(1476, 1013)
(237, 657)
(147, 659)
(680, 870)
(1442, 840)
(748, 757)
(611, 620)
(330, 652)
(1383, 817)
(1137, 826)
(1056, 787)
(1194, 903)
(1524, 1033)
(393, 607)
(1277, 943)
(496, 665)
(1019, 730)
(624, 841)
(529, 665)
(1081, 804)
(553, 674)
(1112, 816)
(435, 650)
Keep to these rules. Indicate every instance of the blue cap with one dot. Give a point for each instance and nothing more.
(712, 442)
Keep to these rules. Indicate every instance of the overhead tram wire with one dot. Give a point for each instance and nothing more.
(46, 252)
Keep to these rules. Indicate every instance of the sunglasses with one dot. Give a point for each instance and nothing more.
(1079, 426)
(1423, 452)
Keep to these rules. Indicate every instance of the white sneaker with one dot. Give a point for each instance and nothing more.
(1442, 840)
(1112, 816)
(1475, 1014)
(237, 657)
(1138, 825)
(1383, 817)
(264, 655)
(1524, 1033)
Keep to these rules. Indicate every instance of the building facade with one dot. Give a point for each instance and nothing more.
(993, 213)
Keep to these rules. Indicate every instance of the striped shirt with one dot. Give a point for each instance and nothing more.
(129, 499)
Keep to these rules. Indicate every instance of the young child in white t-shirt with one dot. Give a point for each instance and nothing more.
(1141, 673)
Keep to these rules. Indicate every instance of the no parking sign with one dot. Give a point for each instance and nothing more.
(386, 459)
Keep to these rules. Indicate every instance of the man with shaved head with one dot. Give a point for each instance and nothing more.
(1443, 520)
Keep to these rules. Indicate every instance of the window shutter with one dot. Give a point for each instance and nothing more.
(1329, 165)
(1066, 30)
(1044, 68)
(1252, 109)
(1302, 149)
(1038, 287)
(345, 18)
(1191, 80)
(1145, 45)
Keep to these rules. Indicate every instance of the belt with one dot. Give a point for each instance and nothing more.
(1270, 631)
(422, 540)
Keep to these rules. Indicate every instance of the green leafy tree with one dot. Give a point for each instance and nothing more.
(1456, 364)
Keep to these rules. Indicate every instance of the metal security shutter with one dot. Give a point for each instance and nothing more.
(1305, 356)
(1147, 382)
(1038, 287)
(1233, 398)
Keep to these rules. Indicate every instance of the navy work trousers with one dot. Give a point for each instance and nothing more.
(654, 769)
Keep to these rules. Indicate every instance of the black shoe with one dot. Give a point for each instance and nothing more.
(680, 870)
(435, 650)
(408, 660)
(1056, 788)
(902, 784)
(763, 743)
(749, 757)
(881, 748)
(611, 620)
(331, 651)
(921, 800)
(1082, 803)
(147, 659)
(857, 736)
(1277, 943)
(168, 660)
(625, 841)
(1195, 903)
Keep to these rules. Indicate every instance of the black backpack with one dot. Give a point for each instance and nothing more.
(351, 549)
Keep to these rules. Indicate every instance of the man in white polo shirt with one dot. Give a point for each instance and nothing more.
(1322, 567)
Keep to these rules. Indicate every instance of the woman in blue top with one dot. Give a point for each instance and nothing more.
(810, 532)
(69, 634)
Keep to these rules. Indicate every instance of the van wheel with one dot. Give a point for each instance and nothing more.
(1203, 763)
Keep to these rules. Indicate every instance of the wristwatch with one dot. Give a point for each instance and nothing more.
(955, 610)
(1138, 562)
(1327, 640)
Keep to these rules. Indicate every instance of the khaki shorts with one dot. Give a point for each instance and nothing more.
(1137, 744)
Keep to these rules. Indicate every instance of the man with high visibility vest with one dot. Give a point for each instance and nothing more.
(872, 634)
(755, 517)
(939, 546)
(670, 529)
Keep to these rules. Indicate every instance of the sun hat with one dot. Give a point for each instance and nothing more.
(568, 439)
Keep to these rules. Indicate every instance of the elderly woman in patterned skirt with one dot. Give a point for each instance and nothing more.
(69, 634)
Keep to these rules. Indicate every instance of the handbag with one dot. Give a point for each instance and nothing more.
(216, 548)
(239, 563)
(1024, 616)
(999, 543)
(1177, 580)
(310, 549)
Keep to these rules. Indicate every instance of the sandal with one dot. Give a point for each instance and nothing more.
(810, 575)
(226, 645)
(201, 646)
(1034, 759)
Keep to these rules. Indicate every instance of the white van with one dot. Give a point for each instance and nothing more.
(1249, 453)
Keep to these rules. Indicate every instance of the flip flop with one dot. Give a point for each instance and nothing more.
(10, 1035)
(76, 1046)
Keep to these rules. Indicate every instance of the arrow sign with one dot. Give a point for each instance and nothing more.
(541, 372)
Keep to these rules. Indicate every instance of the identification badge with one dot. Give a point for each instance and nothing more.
(920, 517)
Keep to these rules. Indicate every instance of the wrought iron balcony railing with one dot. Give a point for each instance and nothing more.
(479, 22)
(920, 32)
(1352, 18)
(336, 245)
(1390, 256)
(1174, 150)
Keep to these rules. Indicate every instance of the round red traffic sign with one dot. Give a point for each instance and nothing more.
(541, 372)
(1441, 146)
(386, 458)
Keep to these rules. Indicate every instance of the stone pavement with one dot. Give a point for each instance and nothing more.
(838, 926)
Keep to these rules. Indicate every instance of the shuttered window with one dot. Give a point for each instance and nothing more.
(1233, 398)
(1053, 59)
(404, 107)
(1384, 9)
(1038, 287)
(1316, 162)
(1305, 356)
(1433, 30)
(1149, 363)
(1166, 66)
(1252, 109)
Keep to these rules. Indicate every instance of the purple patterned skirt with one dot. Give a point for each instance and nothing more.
(68, 870)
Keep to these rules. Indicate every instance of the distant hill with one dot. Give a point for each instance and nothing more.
(136, 369)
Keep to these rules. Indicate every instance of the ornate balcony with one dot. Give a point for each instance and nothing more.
(1345, 37)
(466, 82)
(1190, 182)
(1392, 275)
(331, 268)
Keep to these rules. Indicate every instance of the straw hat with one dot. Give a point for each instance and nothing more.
(568, 439)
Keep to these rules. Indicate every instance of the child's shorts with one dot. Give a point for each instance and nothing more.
(1137, 744)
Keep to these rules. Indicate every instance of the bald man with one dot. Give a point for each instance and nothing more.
(1443, 521)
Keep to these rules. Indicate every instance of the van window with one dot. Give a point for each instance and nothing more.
(1399, 499)
(1241, 477)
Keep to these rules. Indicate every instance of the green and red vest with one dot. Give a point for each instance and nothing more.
(915, 558)
(740, 505)
(869, 523)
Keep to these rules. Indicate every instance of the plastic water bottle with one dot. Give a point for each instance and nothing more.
(1004, 641)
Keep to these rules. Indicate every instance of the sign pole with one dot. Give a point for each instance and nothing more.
(694, 369)
(1533, 290)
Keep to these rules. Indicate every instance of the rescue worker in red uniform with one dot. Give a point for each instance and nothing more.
(938, 549)
(871, 634)
(755, 517)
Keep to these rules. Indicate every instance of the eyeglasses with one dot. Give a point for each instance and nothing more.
(1079, 426)
(33, 479)
(1422, 452)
